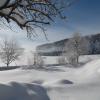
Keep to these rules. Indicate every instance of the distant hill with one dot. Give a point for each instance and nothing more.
(55, 48)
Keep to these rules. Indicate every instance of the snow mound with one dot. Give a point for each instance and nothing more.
(60, 82)
(64, 82)
(92, 67)
(90, 70)
(38, 81)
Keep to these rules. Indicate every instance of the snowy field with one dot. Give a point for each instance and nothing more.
(54, 82)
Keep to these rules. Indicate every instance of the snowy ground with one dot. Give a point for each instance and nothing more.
(53, 83)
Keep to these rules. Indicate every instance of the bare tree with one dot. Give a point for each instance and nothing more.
(61, 60)
(75, 47)
(10, 51)
(32, 14)
(35, 58)
(38, 60)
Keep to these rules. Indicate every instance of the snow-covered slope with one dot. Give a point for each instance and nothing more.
(53, 83)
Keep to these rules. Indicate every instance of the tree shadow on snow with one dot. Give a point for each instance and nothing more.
(79, 65)
(16, 91)
(50, 68)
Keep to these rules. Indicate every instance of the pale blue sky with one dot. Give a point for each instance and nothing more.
(83, 17)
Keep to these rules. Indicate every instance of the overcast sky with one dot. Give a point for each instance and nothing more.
(83, 17)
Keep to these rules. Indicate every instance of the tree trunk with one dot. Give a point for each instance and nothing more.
(77, 59)
(7, 64)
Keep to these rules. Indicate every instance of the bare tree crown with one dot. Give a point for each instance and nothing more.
(10, 51)
(76, 46)
(31, 14)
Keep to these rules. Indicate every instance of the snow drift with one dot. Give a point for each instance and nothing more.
(53, 83)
